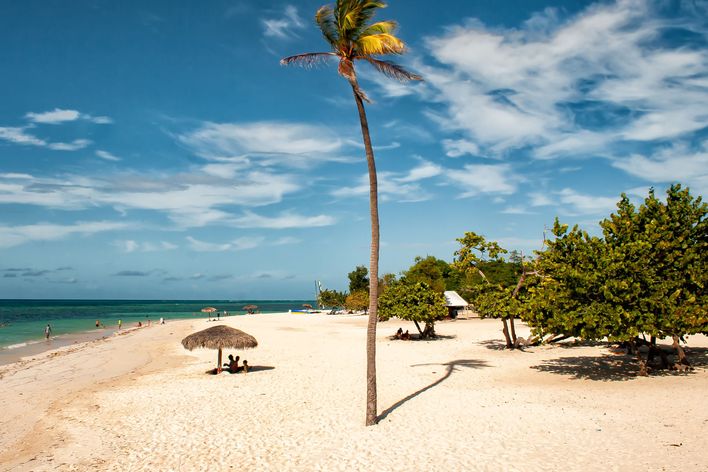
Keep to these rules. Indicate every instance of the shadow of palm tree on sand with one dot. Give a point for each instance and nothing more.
(450, 367)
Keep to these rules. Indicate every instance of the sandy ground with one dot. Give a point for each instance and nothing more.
(139, 401)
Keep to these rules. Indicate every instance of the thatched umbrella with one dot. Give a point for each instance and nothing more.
(250, 308)
(219, 337)
(209, 309)
(307, 305)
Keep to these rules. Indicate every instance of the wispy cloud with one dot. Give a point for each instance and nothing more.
(189, 200)
(130, 245)
(15, 235)
(573, 86)
(476, 179)
(58, 116)
(284, 26)
(107, 155)
(282, 221)
(238, 244)
(266, 143)
(397, 186)
(676, 163)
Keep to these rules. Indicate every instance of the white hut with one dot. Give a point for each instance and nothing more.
(454, 303)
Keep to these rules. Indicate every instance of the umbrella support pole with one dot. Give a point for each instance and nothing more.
(218, 366)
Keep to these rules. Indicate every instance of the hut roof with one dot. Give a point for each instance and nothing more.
(219, 337)
(452, 298)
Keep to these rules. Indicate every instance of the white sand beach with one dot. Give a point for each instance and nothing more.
(139, 401)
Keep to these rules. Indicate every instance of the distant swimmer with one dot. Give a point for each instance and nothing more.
(47, 331)
(98, 324)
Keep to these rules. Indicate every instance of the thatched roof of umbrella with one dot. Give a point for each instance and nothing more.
(209, 309)
(220, 337)
(306, 305)
(250, 307)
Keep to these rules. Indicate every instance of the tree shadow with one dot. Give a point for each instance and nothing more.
(450, 367)
(618, 367)
(494, 344)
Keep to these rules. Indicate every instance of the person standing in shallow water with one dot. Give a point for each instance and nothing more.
(120, 323)
(47, 331)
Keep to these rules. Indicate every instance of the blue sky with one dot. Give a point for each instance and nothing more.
(157, 149)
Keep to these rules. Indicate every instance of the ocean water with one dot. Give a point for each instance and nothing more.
(22, 322)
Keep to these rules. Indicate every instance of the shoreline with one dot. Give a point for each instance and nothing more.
(139, 401)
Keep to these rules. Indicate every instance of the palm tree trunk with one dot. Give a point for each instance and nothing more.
(371, 408)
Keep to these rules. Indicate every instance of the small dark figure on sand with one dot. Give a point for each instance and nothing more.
(406, 336)
(399, 333)
(232, 364)
(245, 366)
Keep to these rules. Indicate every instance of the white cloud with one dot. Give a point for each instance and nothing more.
(53, 117)
(189, 200)
(510, 88)
(677, 163)
(579, 203)
(283, 27)
(235, 245)
(58, 116)
(107, 155)
(476, 179)
(130, 245)
(264, 143)
(19, 135)
(282, 221)
(16, 235)
(459, 147)
(75, 145)
(398, 186)
(425, 170)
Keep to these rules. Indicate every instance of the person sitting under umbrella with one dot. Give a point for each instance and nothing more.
(232, 364)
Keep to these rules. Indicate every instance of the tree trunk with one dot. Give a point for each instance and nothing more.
(422, 335)
(505, 330)
(642, 363)
(682, 363)
(371, 408)
(513, 330)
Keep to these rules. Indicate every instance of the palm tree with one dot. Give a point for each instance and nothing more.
(348, 29)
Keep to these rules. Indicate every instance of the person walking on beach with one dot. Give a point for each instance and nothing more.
(47, 331)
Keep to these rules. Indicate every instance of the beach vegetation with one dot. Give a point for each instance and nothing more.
(331, 298)
(497, 288)
(417, 302)
(645, 276)
(357, 301)
(352, 36)
(358, 279)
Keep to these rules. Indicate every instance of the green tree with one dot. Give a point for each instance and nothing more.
(358, 279)
(429, 270)
(331, 298)
(348, 30)
(416, 302)
(645, 276)
(501, 296)
(357, 301)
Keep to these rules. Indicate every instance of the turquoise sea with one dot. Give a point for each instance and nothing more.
(22, 322)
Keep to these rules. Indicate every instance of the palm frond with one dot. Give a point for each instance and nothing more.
(388, 27)
(308, 59)
(393, 70)
(379, 44)
(325, 20)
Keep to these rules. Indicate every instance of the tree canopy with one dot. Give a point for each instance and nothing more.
(646, 275)
(416, 302)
